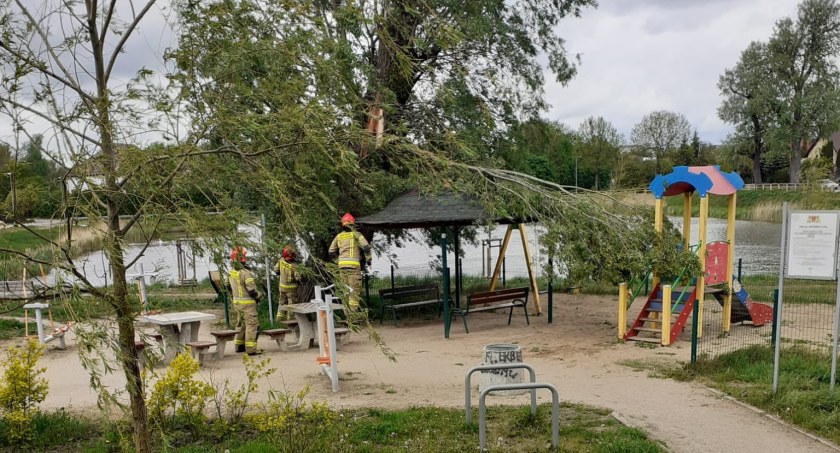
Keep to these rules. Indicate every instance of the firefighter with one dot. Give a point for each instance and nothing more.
(243, 290)
(286, 270)
(348, 247)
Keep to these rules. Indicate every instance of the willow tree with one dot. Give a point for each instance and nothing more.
(444, 76)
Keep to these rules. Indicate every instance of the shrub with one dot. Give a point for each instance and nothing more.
(21, 390)
(177, 395)
(290, 422)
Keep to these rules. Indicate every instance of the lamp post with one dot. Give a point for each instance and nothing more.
(12, 189)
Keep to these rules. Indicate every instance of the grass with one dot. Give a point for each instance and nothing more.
(420, 429)
(803, 396)
(9, 328)
(763, 205)
(760, 288)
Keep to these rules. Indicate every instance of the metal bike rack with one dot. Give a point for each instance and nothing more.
(555, 409)
(501, 366)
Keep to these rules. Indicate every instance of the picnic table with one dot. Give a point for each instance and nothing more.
(307, 328)
(177, 329)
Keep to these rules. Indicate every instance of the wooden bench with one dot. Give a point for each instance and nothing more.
(407, 296)
(278, 335)
(222, 338)
(494, 300)
(199, 349)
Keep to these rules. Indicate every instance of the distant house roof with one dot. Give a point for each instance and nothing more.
(413, 210)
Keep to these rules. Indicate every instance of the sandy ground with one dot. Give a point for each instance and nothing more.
(577, 353)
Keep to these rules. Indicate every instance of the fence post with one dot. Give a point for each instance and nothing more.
(775, 318)
(695, 320)
(740, 262)
(622, 310)
(666, 315)
(504, 273)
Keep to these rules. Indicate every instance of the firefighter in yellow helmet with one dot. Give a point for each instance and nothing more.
(286, 270)
(243, 290)
(348, 247)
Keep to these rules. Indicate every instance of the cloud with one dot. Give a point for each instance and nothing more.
(645, 55)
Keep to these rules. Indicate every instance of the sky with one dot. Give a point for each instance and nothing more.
(639, 56)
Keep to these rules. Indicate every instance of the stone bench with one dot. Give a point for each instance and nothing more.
(278, 335)
(222, 338)
(199, 349)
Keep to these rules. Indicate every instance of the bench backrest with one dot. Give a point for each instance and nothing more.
(410, 293)
(501, 295)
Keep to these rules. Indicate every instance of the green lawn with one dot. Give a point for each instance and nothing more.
(423, 429)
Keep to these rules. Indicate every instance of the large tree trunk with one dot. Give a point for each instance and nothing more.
(756, 168)
(758, 149)
(795, 161)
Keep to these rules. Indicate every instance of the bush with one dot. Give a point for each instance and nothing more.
(21, 390)
(290, 422)
(178, 396)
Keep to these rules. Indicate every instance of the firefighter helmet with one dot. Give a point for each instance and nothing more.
(238, 254)
(348, 219)
(288, 252)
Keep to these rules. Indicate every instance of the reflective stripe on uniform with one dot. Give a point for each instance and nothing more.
(243, 301)
(238, 342)
(292, 286)
(344, 262)
(250, 343)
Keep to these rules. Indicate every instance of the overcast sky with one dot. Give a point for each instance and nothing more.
(644, 55)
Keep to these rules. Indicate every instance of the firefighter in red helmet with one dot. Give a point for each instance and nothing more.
(286, 270)
(348, 247)
(243, 290)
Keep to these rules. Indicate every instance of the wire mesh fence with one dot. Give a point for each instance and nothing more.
(804, 319)
(713, 340)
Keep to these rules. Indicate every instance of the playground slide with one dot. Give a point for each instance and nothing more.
(745, 309)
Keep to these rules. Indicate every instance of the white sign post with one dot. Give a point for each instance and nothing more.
(809, 252)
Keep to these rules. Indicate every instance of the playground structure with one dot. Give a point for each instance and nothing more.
(668, 306)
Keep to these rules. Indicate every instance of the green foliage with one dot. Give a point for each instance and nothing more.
(815, 170)
(21, 390)
(232, 404)
(590, 253)
(178, 397)
(291, 422)
(660, 133)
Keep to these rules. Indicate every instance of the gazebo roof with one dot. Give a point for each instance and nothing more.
(414, 210)
(702, 179)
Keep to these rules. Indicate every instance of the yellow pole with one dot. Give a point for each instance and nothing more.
(730, 239)
(701, 254)
(666, 315)
(657, 225)
(501, 258)
(531, 276)
(687, 220)
(622, 310)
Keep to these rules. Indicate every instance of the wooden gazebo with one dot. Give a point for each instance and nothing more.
(414, 210)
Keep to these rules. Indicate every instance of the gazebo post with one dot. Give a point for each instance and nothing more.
(456, 237)
(447, 319)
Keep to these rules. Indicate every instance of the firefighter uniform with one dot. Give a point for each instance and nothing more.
(350, 246)
(245, 308)
(288, 287)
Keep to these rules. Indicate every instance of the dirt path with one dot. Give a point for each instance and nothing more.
(577, 353)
